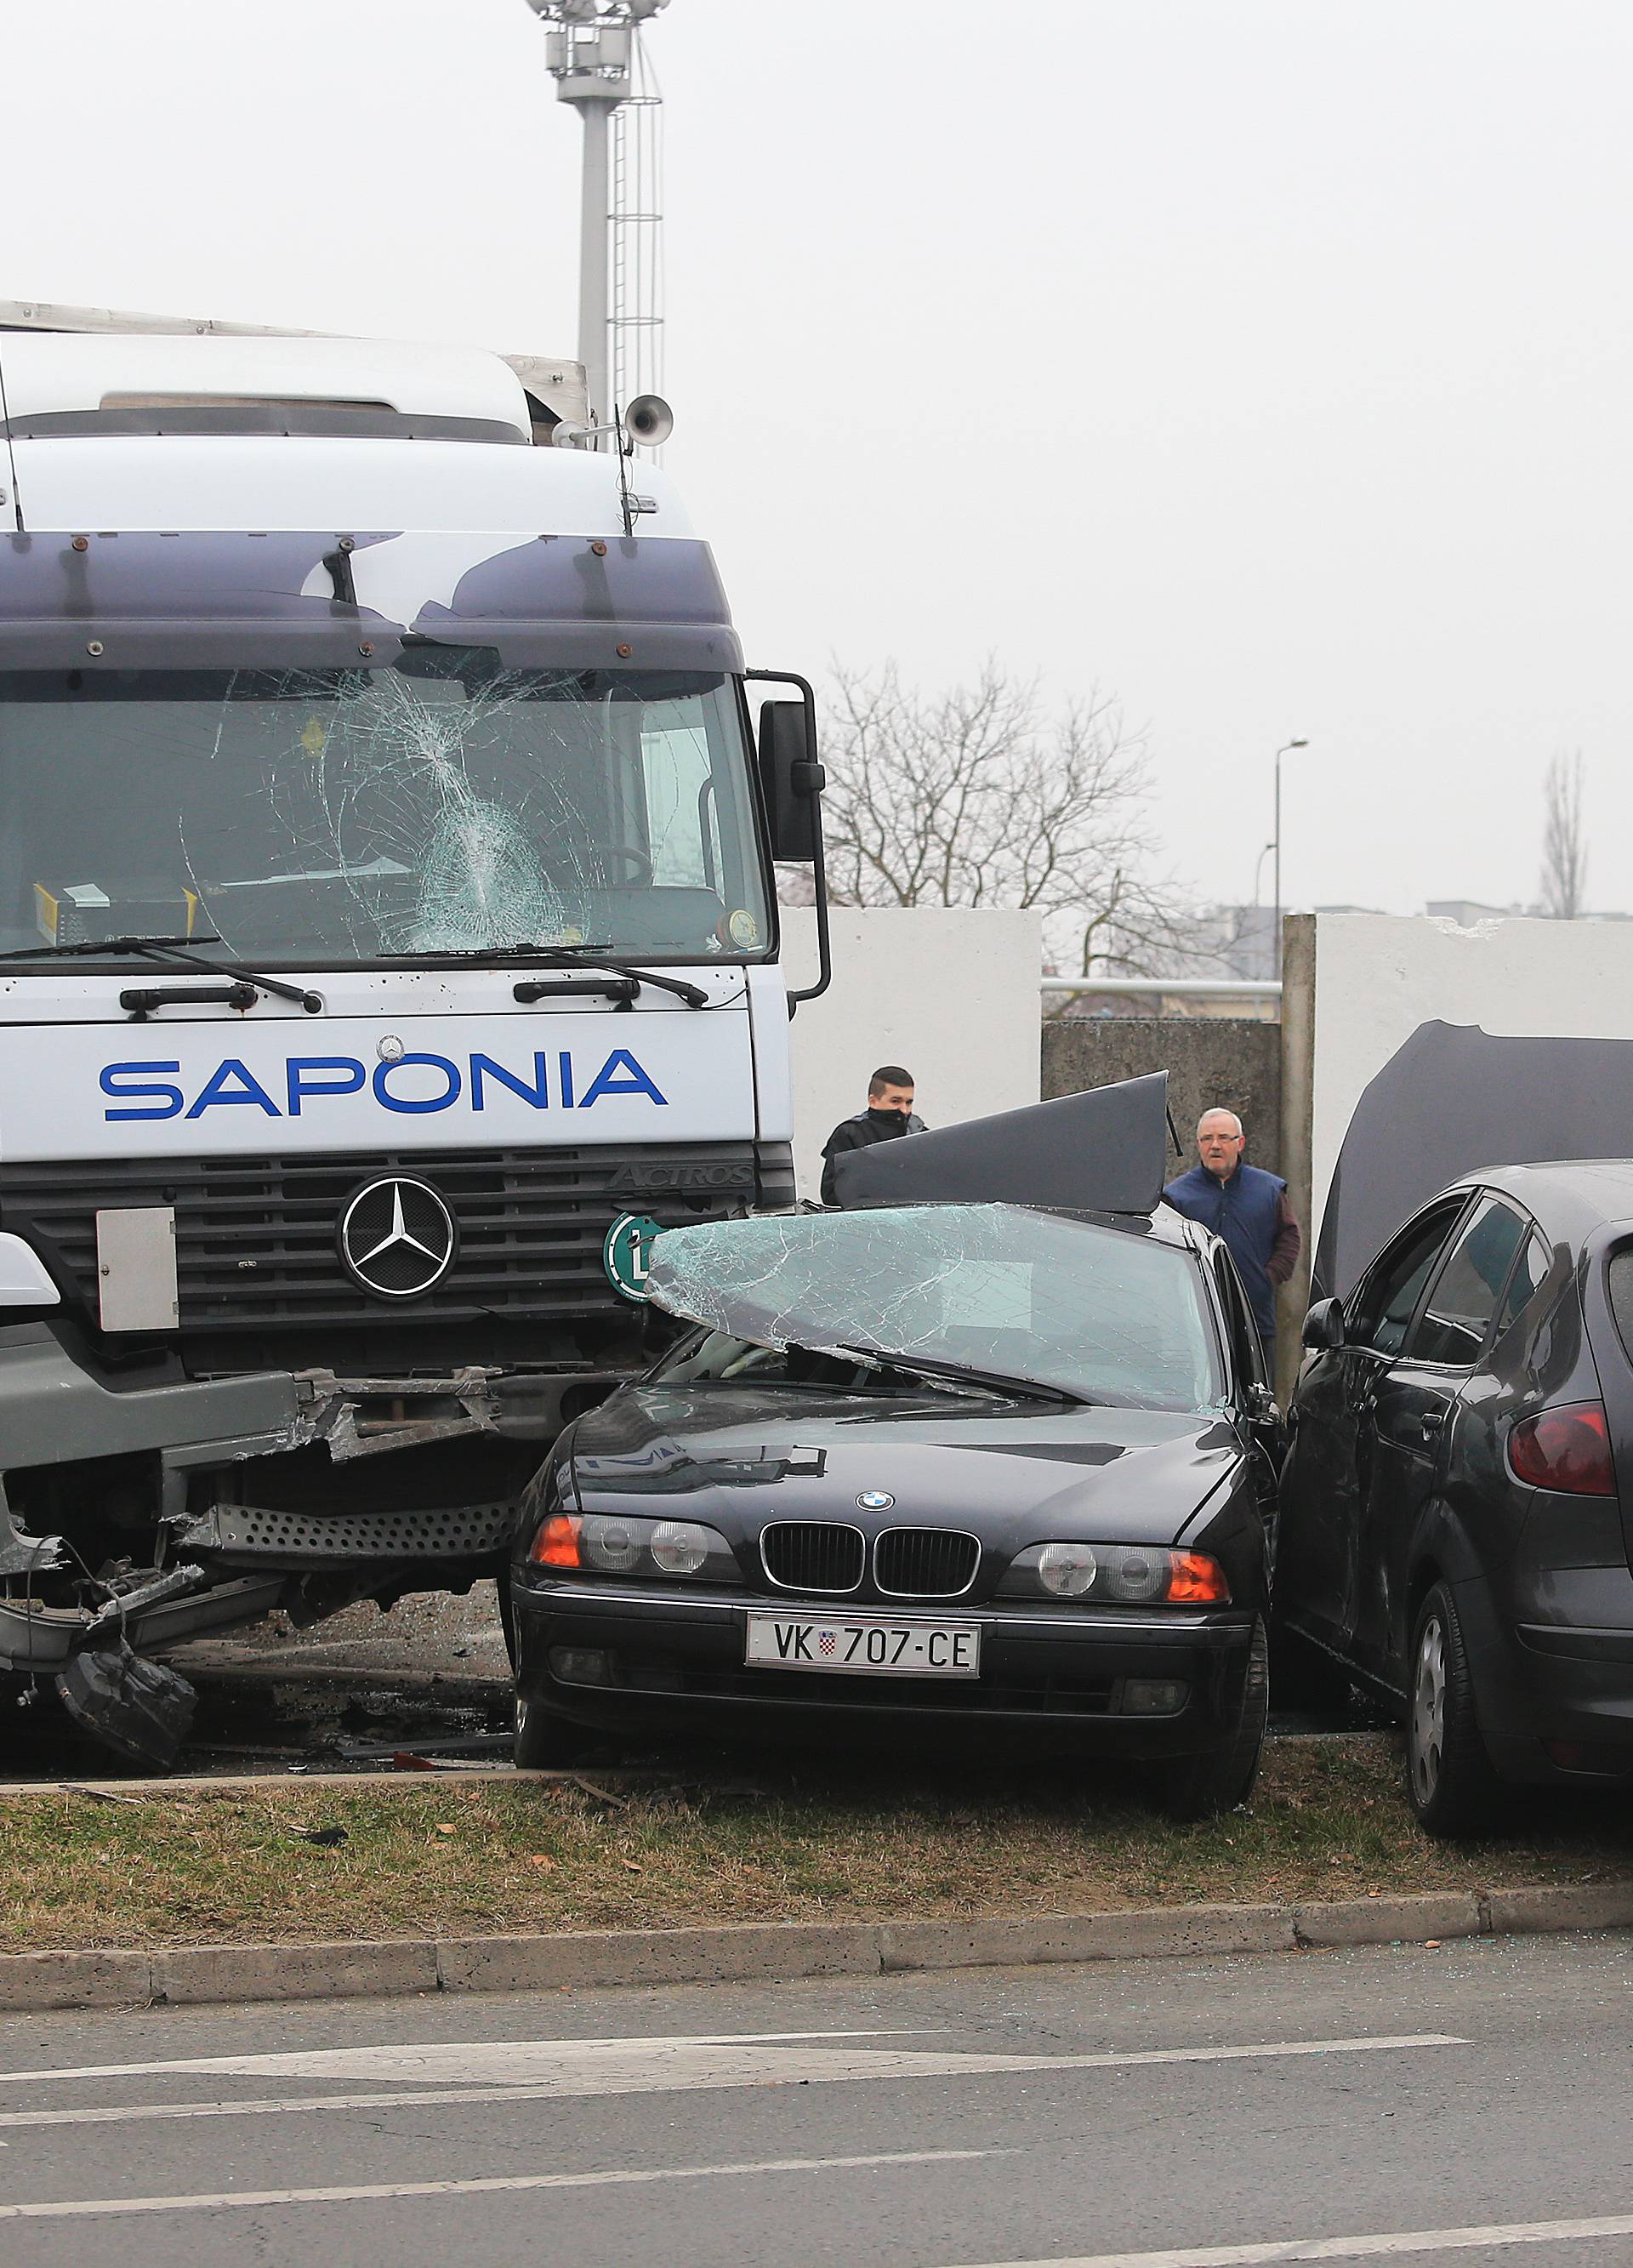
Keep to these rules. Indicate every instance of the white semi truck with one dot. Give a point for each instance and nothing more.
(388, 945)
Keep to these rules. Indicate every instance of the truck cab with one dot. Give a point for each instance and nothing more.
(388, 948)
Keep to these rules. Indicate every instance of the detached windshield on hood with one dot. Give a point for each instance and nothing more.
(1102, 1312)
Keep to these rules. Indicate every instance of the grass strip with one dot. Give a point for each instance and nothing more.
(795, 1840)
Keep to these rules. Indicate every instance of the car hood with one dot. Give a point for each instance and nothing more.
(738, 1457)
(1101, 1150)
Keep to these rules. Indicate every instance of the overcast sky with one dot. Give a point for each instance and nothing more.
(1266, 364)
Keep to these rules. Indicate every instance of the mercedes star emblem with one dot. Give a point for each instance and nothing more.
(398, 1238)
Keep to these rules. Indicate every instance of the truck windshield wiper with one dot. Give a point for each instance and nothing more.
(179, 949)
(993, 1381)
(102, 944)
(565, 956)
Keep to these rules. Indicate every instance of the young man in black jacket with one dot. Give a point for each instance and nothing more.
(889, 1114)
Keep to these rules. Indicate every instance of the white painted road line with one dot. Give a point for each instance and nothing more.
(1392, 2245)
(690, 2066)
(371, 2192)
(440, 2058)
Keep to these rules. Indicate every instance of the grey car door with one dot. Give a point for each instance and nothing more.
(1413, 1415)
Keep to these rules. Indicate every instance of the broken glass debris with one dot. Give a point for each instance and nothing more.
(1103, 1313)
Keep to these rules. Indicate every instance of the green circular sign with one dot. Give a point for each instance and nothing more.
(626, 1254)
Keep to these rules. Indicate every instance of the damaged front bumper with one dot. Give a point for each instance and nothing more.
(229, 1495)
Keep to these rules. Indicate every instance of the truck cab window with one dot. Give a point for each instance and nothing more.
(442, 805)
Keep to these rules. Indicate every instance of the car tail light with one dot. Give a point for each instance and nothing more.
(1567, 1448)
(557, 1543)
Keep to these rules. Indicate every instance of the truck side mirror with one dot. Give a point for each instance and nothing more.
(791, 783)
(790, 779)
(1324, 1325)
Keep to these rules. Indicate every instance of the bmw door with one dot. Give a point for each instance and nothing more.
(1252, 1392)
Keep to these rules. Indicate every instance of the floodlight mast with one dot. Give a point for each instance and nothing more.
(591, 52)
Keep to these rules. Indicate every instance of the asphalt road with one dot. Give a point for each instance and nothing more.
(1377, 2104)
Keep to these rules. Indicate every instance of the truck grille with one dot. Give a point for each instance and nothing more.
(814, 1555)
(255, 1237)
(925, 1562)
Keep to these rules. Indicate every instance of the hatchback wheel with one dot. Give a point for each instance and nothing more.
(1451, 1782)
(1201, 1787)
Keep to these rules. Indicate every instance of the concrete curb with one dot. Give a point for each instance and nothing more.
(765, 1952)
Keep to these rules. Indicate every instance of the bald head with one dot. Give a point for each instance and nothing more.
(1220, 1142)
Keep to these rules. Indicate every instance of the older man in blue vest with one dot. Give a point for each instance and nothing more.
(1247, 1207)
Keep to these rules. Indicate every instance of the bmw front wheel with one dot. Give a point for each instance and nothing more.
(543, 1739)
(1201, 1787)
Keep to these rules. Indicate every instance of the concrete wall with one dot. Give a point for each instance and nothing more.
(949, 992)
(1210, 1061)
(1378, 977)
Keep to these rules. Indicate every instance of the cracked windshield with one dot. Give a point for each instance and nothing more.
(1096, 1313)
(440, 805)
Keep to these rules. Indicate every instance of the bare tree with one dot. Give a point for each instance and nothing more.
(978, 797)
(1564, 852)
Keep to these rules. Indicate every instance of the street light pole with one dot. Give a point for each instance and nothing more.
(1276, 870)
(1258, 884)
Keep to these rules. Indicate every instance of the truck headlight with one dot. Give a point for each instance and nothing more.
(611, 1543)
(1116, 1574)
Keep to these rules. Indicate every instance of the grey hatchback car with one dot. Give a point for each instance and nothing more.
(1452, 1532)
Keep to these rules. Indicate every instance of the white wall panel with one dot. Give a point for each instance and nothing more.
(950, 992)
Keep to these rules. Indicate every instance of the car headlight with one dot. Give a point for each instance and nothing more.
(1116, 1574)
(612, 1544)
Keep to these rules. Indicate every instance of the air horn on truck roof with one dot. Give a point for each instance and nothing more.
(647, 422)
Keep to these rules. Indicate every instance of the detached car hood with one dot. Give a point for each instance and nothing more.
(1451, 1100)
(738, 1456)
(1102, 1151)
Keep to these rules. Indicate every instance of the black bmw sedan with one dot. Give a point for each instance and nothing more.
(956, 1469)
(1453, 1531)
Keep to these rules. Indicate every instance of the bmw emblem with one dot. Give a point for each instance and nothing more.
(875, 1500)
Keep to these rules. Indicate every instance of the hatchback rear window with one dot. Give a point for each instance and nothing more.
(1619, 1284)
(1525, 1282)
